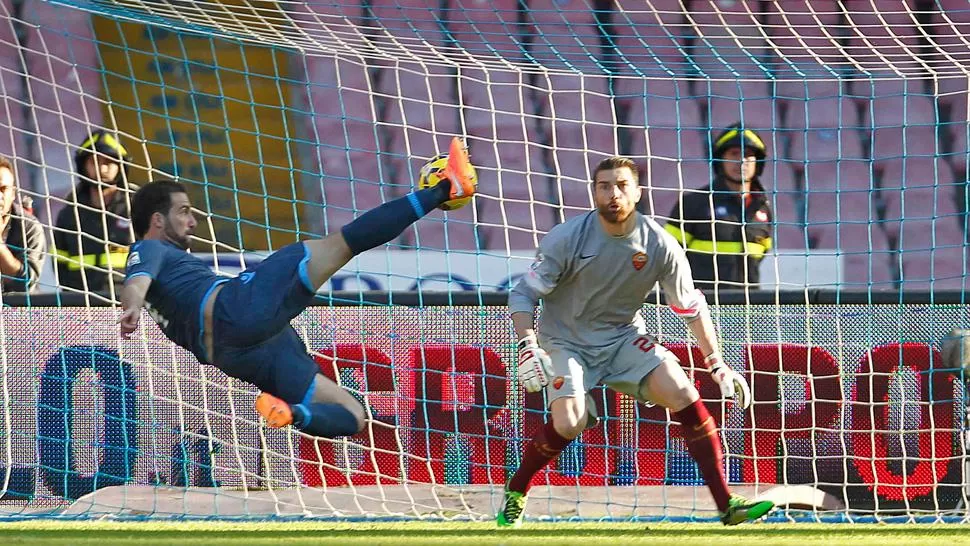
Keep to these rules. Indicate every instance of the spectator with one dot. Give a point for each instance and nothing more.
(726, 226)
(93, 232)
(23, 246)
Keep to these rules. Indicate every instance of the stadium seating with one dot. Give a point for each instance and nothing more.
(650, 42)
(728, 42)
(490, 31)
(823, 145)
(565, 35)
(864, 250)
(884, 39)
(947, 30)
(64, 84)
(778, 176)
(804, 35)
(841, 176)
(11, 89)
(577, 124)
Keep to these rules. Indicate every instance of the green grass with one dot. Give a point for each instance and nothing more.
(447, 533)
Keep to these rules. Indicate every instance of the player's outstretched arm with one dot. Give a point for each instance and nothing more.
(132, 299)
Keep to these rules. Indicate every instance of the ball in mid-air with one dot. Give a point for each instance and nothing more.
(432, 173)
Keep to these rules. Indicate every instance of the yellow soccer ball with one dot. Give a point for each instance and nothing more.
(432, 173)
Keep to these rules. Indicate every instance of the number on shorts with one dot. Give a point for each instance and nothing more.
(644, 344)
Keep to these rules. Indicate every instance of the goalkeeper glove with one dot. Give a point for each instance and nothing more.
(730, 381)
(535, 366)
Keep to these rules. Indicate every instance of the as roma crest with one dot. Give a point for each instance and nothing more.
(558, 382)
(639, 260)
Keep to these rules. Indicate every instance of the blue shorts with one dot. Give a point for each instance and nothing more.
(252, 336)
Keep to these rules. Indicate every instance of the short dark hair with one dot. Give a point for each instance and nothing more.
(7, 164)
(616, 162)
(149, 199)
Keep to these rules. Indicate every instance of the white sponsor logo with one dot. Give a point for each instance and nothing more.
(134, 259)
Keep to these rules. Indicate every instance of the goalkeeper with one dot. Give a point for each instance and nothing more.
(593, 273)
(242, 325)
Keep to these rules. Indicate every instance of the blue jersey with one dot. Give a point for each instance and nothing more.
(180, 283)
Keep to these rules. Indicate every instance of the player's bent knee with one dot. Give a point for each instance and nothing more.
(569, 417)
(682, 397)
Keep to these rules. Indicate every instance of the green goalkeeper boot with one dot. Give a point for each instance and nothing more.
(741, 510)
(513, 512)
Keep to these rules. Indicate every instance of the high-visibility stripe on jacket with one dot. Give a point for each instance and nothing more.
(725, 239)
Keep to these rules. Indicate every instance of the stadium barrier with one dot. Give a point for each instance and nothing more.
(842, 403)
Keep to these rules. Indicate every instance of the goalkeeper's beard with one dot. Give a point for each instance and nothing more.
(618, 216)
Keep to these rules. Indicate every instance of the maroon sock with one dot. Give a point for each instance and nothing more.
(545, 447)
(704, 445)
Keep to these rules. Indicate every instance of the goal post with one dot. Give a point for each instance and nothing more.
(288, 119)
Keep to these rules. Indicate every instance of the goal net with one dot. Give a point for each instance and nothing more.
(288, 119)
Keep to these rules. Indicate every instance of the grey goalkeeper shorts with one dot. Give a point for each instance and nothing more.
(622, 369)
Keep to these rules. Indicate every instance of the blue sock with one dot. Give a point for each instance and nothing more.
(324, 420)
(382, 224)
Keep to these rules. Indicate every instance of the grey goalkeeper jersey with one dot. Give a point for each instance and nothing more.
(593, 284)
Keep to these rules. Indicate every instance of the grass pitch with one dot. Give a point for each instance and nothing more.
(84, 533)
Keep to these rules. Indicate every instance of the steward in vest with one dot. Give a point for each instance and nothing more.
(725, 226)
(92, 232)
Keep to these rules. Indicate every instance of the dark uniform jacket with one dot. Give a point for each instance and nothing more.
(24, 237)
(725, 239)
(85, 248)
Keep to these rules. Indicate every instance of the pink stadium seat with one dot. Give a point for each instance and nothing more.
(934, 252)
(650, 42)
(729, 40)
(864, 251)
(668, 144)
(822, 113)
(845, 175)
(65, 85)
(947, 32)
(790, 238)
(577, 113)
(487, 29)
(410, 21)
(513, 191)
(899, 110)
(849, 206)
(886, 39)
(659, 103)
(663, 181)
(420, 116)
(757, 114)
(787, 206)
(901, 125)
(919, 188)
(514, 223)
(497, 104)
(342, 105)
(439, 230)
(805, 36)
(891, 144)
(955, 132)
(726, 102)
(778, 176)
(823, 145)
(565, 35)
(12, 121)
